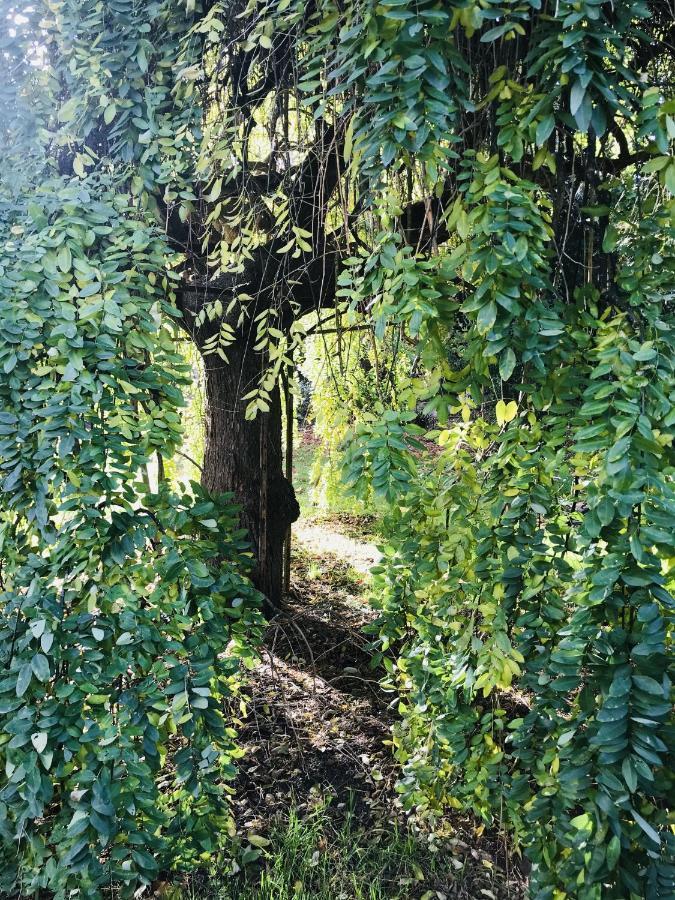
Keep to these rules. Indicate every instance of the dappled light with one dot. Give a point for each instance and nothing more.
(337, 420)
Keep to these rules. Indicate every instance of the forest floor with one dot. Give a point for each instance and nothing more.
(315, 801)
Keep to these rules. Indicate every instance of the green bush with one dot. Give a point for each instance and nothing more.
(125, 615)
(121, 649)
(527, 593)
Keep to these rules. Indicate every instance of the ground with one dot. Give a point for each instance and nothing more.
(315, 801)
(324, 538)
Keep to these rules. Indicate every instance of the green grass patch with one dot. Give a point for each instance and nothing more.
(318, 858)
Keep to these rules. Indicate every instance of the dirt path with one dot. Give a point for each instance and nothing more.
(320, 538)
(318, 722)
(318, 717)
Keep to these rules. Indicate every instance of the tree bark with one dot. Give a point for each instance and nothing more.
(246, 458)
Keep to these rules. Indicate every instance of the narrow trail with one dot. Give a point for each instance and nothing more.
(317, 720)
(319, 538)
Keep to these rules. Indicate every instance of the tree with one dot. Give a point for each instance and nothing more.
(253, 208)
(322, 117)
(243, 123)
(495, 175)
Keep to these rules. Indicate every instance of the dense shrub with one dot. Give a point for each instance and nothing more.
(121, 656)
(125, 615)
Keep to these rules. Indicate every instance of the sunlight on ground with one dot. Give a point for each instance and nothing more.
(320, 538)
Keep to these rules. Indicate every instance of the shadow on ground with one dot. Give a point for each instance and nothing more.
(317, 727)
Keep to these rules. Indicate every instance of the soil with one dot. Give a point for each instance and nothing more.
(317, 718)
(322, 539)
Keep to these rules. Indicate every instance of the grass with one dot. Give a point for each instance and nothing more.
(325, 573)
(319, 858)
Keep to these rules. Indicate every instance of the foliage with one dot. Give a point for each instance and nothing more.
(526, 590)
(116, 751)
(352, 381)
(125, 614)
(490, 185)
(529, 578)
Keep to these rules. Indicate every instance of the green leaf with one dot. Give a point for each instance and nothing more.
(506, 412)
(486, 317)
(629, 774)
(605, 511)
(68, 110)
(40, 666)
(142, 60)
(494, 33)
(646, 827)
(610, 239)
(618, 450)
(37, 627)
(656, 164)
(64, 258)
(39, 740)
(649, 685)
(144, 860)
(544, 130)
(507, 363)
(577, 94)
(613, 852)
(23, 679)
(349, 138)
(584, 113)
(582, 823)
(257, 841)
(215, 192)
(669, 179)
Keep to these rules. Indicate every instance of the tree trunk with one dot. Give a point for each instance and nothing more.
(246, 458)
